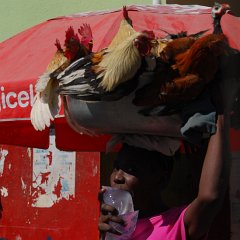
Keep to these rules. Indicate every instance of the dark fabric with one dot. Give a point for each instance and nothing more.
(139, 161)
(199, 119)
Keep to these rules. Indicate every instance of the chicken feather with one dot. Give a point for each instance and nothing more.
(119, 65)
(95, 81)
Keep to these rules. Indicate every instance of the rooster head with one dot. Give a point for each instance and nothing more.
(85, 32)
(219, 10)
(143, 42)
(72, 44)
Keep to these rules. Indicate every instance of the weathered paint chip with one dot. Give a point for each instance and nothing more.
(3, 154)
(24, 186)
(53, 176)
(4, 192)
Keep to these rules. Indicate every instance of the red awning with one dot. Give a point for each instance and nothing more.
(24, 57)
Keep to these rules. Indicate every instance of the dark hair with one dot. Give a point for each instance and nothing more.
(139, 161)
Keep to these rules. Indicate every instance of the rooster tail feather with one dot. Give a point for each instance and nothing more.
(45, 107)
(42, 82)
(74, 66)
(73, 78)
(40, 114)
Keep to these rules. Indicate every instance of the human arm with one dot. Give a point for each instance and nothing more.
(216, 168)
(215, 172)
(213, 183)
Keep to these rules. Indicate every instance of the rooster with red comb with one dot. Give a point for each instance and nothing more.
(46, 103)
(111, 73)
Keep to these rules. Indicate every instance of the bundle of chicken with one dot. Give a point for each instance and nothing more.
(113, 72)
(108, 75)
(165, 74)
(186, 66)
(99, 76)
(47, 103)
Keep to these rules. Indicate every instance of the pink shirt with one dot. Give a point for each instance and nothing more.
(167, 226)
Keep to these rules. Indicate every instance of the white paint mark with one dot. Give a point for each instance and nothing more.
(24, 186)
(18, 237)
(95, 170)
(3, 154)
(44, 201)
(29, 150)
(53, 176)
(4, 192)
(9, 166)
(28, 221)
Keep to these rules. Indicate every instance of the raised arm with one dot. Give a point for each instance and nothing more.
(216, 167)
(213, 183)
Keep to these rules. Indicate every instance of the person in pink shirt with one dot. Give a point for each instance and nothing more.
(146, 173)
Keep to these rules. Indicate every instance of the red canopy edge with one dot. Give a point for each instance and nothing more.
(69, 140)
(235, 140)
(22, 133)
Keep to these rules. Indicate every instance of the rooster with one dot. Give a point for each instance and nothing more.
(218, 11)
(191, 67)
(229, 72)
(168, 47)
(102, 76)
(46, 103)
(175, 47)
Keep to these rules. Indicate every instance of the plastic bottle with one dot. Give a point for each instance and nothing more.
(122, 201)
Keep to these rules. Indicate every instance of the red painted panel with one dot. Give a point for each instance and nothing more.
(73, 218)
(235, 140)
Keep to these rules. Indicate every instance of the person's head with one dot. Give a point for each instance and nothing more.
(143, 173)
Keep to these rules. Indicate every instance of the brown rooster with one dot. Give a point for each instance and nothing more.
(195, 65)
(46, 103)
(202, 58)
(175, 47)
(173, 44)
